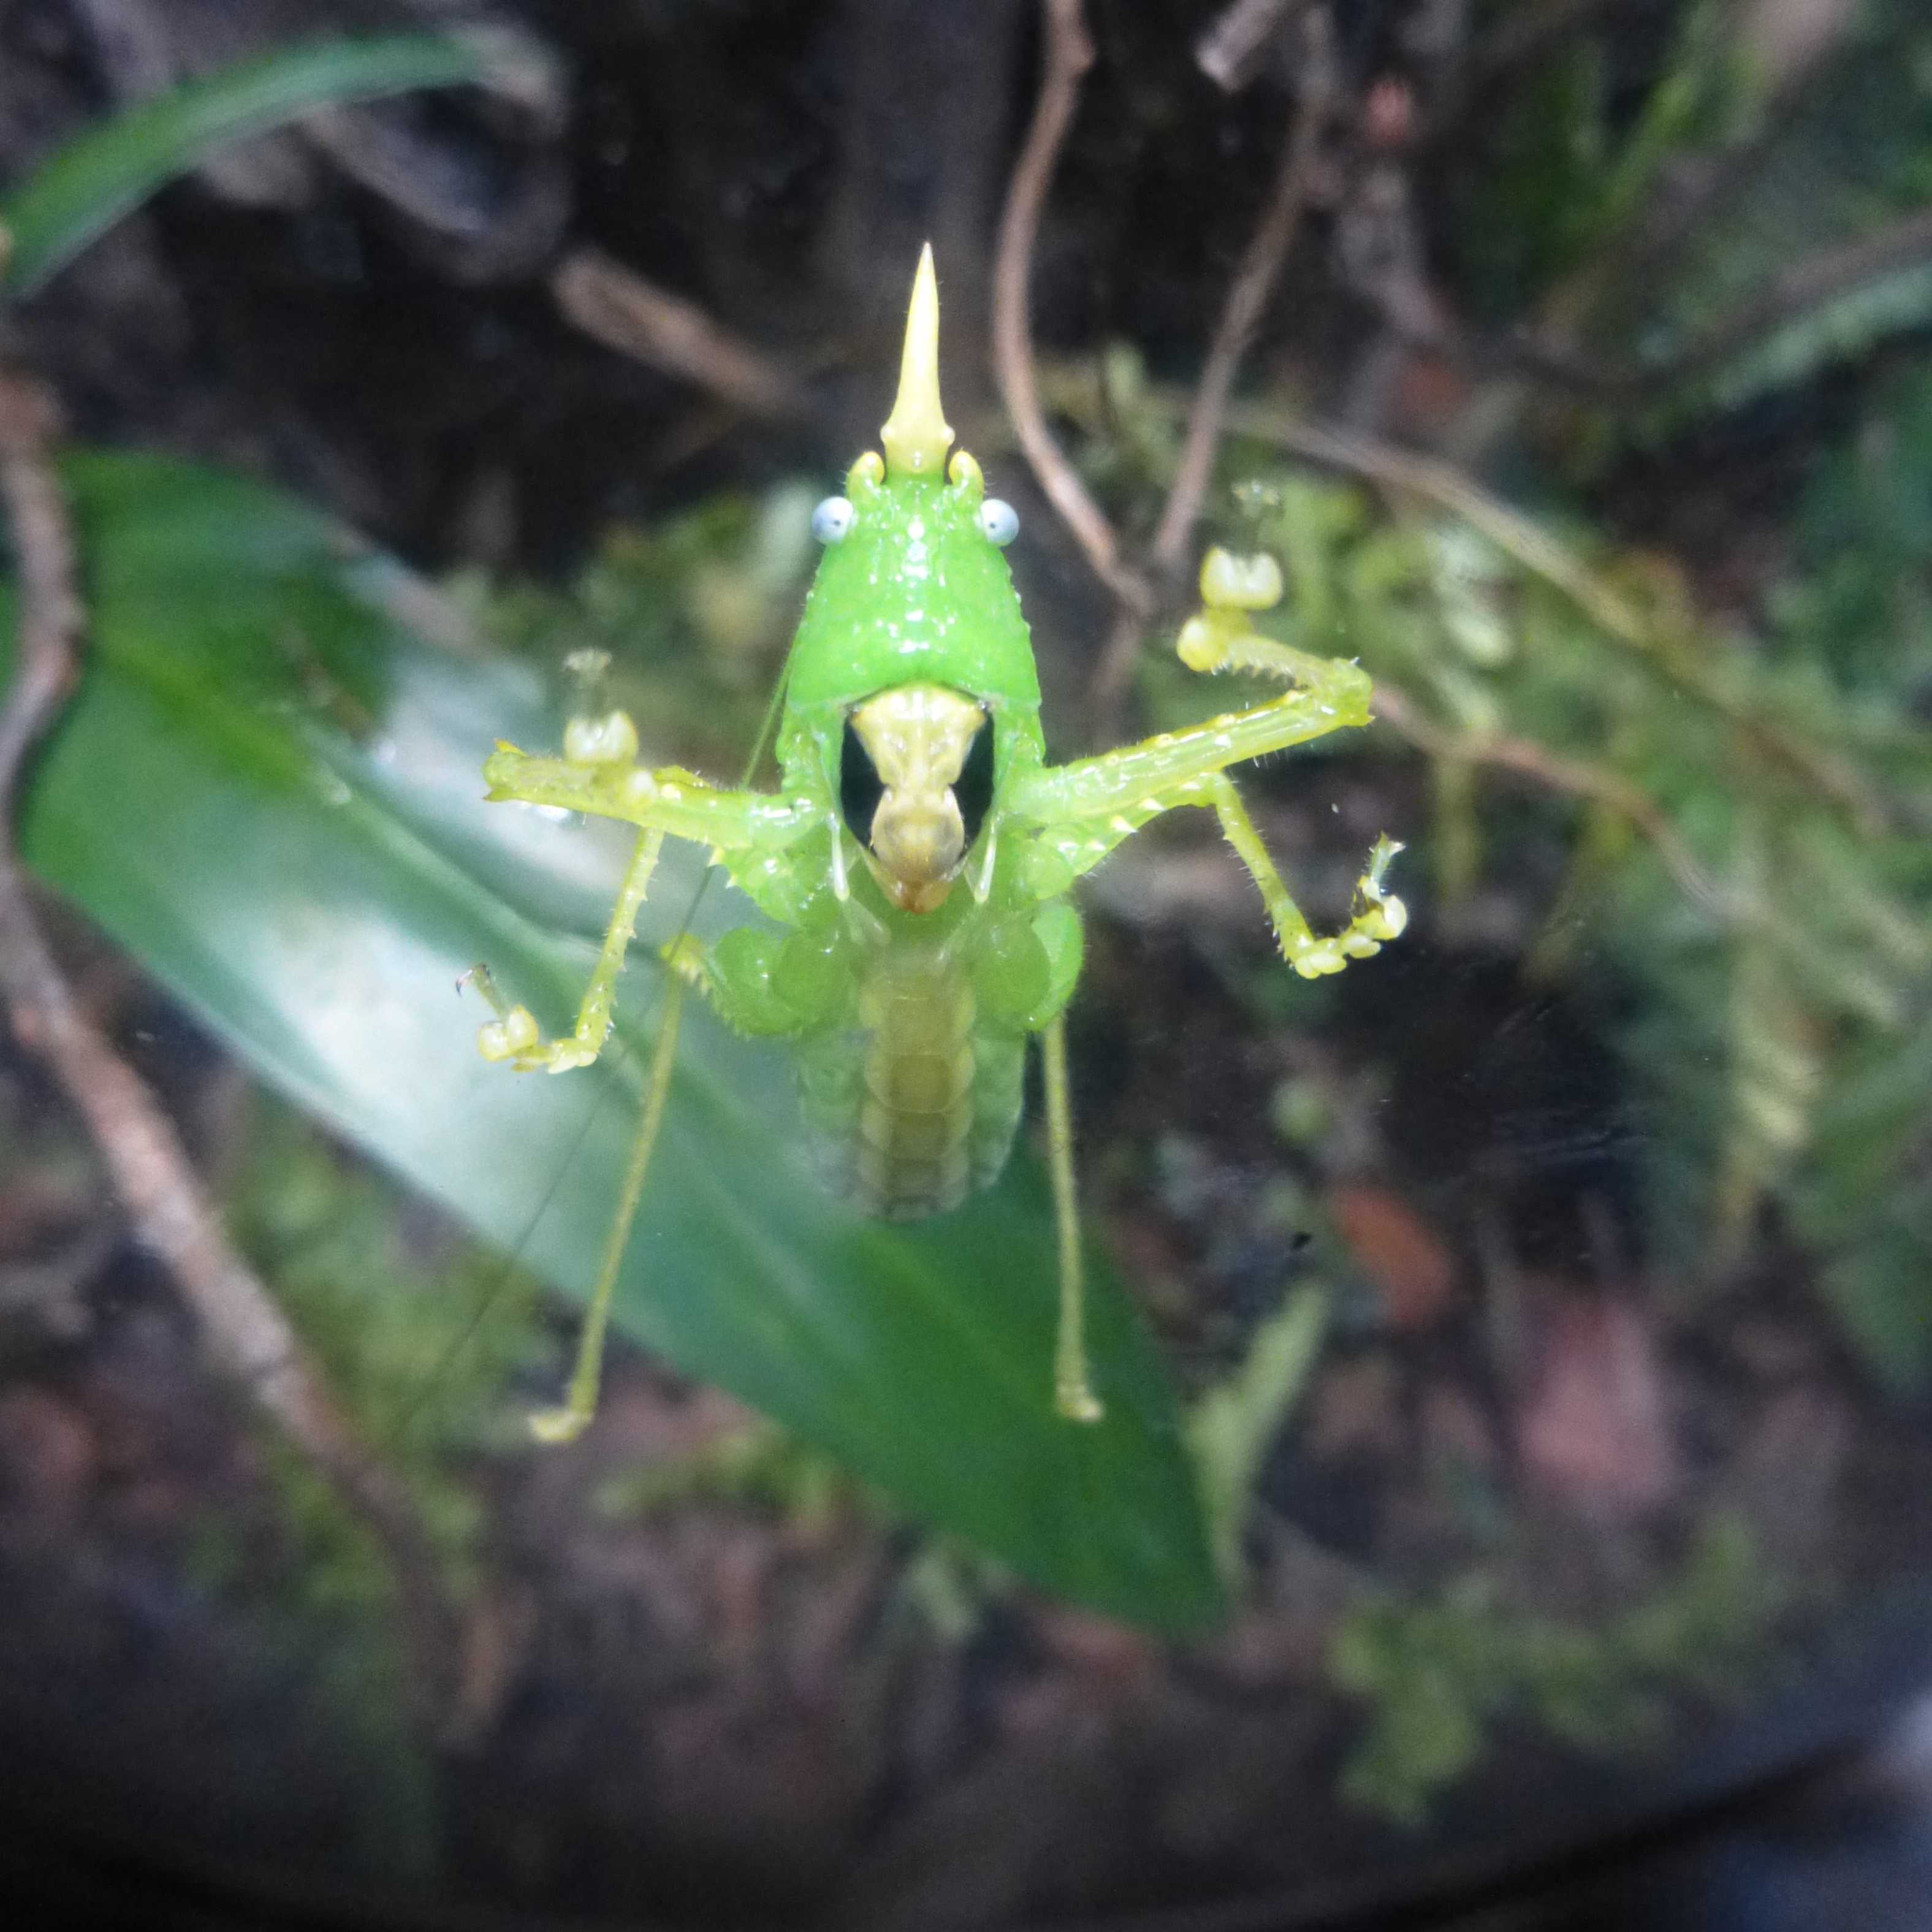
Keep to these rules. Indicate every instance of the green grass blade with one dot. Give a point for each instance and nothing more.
(88, 184)
(272, 798)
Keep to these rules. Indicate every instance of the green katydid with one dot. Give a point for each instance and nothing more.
(919, 853)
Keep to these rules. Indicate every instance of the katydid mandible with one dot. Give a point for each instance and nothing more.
(919, 851)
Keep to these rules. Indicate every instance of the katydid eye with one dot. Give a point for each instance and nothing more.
(831, 522)
(999, 522)
(972, 789)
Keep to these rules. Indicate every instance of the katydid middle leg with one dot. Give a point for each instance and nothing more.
(1081, 812)
(514, 1035)
(746, 825)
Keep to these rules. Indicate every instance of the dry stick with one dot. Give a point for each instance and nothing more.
(1247, 296)
(1538, 552)
(1443, 485)
(1543, 556)
(1254, 282)
(1395, 708)
(149, 1166)
(618, 308)
(1068, 54)
(1807, 284)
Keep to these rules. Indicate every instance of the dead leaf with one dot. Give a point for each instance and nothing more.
(1406, 1262)
(1596, 1427)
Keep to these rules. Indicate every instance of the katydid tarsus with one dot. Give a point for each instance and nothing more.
(919, 853)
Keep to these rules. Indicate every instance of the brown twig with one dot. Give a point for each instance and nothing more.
(1254, 282)
(617, 306)
(1806, 285)
(1068, 54)
(1395, 707)
(1248, 294)
(1449, 488)
(148, 1165)
(1542, 555)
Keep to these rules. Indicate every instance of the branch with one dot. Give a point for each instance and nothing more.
(1068, 54)
(1253, 283)
(1543, 556)
(1443, 485)
(148, 1165)
(1247, 296)
(1807, 285)
(617, 306)
(1396, 709)
(49, 659)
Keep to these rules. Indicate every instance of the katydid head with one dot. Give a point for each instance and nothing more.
(912, 595)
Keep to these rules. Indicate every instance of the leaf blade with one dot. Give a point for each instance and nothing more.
(91, 182)
(295, 880)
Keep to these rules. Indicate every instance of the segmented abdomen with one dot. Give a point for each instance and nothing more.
(917, 1106)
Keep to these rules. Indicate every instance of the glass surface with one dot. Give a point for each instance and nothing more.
(1515, 1345)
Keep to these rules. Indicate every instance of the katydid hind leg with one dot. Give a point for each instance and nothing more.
(1073, 1395)
(564, 1424)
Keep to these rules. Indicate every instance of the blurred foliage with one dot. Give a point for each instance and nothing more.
(1639, 205)
(322, 1597)
(1729, 828)
(944, 1587)
(1439, 1674)
(759, 1466)
(94, 180)
(1845, 153)
(1859, 615)
(415, 1336)
(1233, 1425)
(694, 615)
(1576, 154)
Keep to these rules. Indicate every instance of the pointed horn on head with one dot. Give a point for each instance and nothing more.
(916, 435)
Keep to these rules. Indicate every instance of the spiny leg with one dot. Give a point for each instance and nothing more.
(1071, 1395)
(1081, 841)
(514, 1034)
(596, 777)
(566, 1424)
(1377, 915)
(1083, 810)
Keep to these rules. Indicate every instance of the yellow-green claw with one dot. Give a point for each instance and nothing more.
(554, 1427)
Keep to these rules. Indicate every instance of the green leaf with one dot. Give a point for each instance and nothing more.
(91, 181)
(270, 794)
(1233, 1425)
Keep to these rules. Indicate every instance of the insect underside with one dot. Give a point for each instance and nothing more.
(918, 857)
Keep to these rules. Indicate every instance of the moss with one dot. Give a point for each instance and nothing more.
(416, 1333)
(1440, 1673)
